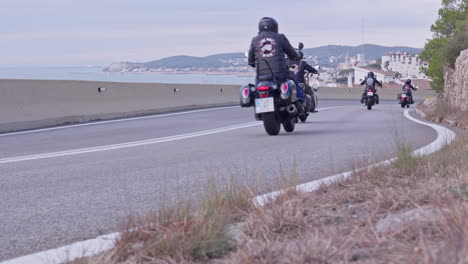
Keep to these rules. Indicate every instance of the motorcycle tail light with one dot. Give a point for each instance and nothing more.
(284, 88)
(263, 88)
(263, 95)
(245, 92)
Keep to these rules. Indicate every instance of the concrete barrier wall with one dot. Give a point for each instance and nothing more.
(26, 104)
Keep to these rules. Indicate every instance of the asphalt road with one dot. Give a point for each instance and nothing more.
(65, 185)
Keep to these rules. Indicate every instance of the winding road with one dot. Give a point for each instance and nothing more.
(67, 184)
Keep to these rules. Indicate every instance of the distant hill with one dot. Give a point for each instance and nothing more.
(183, 61)
(323, 55)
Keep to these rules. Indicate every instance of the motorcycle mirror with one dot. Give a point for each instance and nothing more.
(300, 46)
(246, 54)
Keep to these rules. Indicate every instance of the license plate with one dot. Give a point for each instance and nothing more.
(403, 96)
(264, 105)
(370, 93)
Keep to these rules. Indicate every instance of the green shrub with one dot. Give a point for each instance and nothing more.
(457, 44)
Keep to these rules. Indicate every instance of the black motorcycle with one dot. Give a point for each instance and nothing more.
(274, 102)
(310, 97)
(405, 98)
(370, 98)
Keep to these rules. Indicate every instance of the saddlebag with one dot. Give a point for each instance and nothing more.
(288, 91)
(246, 95)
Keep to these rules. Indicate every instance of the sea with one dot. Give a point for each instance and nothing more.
(96, 74)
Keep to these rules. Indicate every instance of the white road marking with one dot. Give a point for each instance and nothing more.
(134, 143)
(114, 121)
(125, 145)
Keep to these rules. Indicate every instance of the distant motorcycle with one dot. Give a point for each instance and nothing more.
(274, 103)
(405, 98)
(370, 99)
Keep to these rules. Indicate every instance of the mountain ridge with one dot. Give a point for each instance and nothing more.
(321, 55)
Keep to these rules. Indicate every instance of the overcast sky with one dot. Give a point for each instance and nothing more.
(98, 32)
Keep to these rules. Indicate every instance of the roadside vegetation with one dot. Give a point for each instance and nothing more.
(450, 37)
(437, 109)
(412, 211)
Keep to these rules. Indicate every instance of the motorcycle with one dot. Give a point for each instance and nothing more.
(274, 102)
(370, 98)
(405, 99)
(310, 97)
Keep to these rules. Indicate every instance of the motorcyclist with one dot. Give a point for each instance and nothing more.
(370, 82)
(408, 89)
(272, 47)
(301, 68)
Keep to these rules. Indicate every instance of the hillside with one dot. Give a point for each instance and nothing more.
(322, 55)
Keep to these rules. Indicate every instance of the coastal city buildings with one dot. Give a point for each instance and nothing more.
(360, 73)
(408, 65)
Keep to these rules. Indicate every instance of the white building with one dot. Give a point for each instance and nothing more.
(408, 65)
(360, 74)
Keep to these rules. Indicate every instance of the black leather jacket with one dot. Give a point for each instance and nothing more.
(302, 67)
(375, 82)
(273, 48)
(407, 88)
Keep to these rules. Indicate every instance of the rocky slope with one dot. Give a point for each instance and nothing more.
(456, 83)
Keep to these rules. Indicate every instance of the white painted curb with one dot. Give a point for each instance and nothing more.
(99, 244)
(69, 252)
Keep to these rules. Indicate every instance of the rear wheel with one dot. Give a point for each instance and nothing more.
(289, 124)
(271, 123)
(369, 103)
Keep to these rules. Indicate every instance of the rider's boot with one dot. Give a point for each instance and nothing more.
(300, 106)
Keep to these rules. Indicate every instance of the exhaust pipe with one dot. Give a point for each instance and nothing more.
(291, 109)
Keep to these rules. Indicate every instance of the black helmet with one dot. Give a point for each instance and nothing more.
(370, 74)
(408, 81)
(268, 24)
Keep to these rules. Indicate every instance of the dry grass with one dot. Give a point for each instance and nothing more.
(337, 224)
(412, 211)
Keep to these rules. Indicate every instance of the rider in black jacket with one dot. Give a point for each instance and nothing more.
(408, 89)
(273, 48)
(302, 67)
(370, 81)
